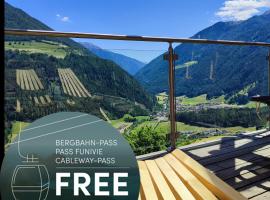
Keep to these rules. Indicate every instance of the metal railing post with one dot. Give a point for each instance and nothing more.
(171, 57)
(268, 59)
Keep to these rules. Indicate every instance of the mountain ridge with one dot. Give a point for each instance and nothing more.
(131, 65)
(232, 73)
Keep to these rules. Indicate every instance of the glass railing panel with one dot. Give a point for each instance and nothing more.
(47, 75)
(214, 88)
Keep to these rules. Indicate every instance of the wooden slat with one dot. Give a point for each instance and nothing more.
(249, 177)
(255, 189)
(246, 164)
(226, 146)
(192, 183)
(147, 187)
(214, 167)
(234, 152)
(164, 191)
(221, 189)
(262, 196)
(263, 152)
(177, 186)
(229, 173)
(230, 167)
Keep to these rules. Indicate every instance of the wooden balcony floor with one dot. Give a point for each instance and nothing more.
(242, 162)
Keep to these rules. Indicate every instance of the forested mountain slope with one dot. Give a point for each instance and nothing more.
(235, 70)
(131, 65)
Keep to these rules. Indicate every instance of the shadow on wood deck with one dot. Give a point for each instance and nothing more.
(241, 161)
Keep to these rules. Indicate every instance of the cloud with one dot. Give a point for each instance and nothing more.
(63, 18)
(241, 9)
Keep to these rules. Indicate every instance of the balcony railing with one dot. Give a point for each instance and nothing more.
(170, 56)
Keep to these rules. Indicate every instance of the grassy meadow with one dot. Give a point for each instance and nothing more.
(50, 48)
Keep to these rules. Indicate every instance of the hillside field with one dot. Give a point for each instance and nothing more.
(53, 49)
(164, 127)
(201, 99)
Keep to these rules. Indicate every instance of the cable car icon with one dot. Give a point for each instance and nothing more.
(30, 180)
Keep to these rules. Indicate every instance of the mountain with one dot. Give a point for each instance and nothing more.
(18, 19)
(131, 65)
(111, 87)
(235, 69)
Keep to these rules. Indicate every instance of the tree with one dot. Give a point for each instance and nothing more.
(226, 117)
(146, 140)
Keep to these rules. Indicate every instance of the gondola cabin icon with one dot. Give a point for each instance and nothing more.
(30, 180)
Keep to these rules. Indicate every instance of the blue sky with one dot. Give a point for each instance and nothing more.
(172, 18)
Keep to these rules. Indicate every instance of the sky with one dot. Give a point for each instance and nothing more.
(170, 18)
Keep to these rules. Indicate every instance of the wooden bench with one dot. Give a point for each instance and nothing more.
(177, 176)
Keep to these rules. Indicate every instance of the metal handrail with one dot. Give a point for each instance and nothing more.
(129, 37)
